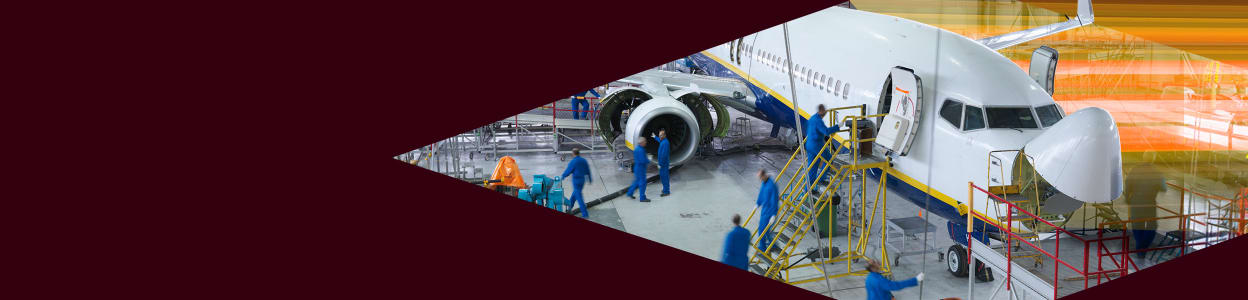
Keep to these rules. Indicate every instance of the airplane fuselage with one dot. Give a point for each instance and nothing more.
(842, 57)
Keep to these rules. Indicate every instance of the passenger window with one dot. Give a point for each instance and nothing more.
(974, 118)
(845, 93)
(823, 78)
(1048, 115)
(838, 88)
(952, 111)
(828, 83)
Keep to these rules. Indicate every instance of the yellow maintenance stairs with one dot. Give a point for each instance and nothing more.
(798, 209)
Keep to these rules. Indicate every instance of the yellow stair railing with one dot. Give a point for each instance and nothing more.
(799, 208)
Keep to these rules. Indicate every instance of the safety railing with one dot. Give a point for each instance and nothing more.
(1016, 178)
(795, 193)
(1183, 242)
(786, 202)
(1238, 211)
(1055, 255)
(802, 170)
(590, 115)
(782, 172)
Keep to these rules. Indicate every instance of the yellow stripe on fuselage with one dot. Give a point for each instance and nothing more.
(905, 178)
(758, 84)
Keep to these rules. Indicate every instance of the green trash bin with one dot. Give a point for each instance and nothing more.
(822, 220)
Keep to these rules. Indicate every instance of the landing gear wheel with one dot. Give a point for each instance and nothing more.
(955, 258)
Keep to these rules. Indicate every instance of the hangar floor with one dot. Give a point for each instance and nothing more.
(707, 191)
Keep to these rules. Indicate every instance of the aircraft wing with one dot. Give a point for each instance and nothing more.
(999, 42)
(666, 82)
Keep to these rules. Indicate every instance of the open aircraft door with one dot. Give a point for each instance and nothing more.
(901, 100)
(1043, 67)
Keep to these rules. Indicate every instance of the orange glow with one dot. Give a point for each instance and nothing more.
(1175, 77)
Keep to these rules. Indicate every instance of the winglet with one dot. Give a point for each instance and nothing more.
(1085, 11)
(1084, 17)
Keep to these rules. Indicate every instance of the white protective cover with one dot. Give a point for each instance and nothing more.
(1081, 156)
(892, 132)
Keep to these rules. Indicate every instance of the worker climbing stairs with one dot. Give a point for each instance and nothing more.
(801, 202)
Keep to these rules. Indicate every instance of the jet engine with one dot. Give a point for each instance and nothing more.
(686, 115)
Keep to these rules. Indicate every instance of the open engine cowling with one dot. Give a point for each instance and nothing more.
(636, 113)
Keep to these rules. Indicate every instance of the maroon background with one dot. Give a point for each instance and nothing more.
(242, 149)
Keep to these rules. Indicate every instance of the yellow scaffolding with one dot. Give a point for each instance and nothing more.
(797, 211)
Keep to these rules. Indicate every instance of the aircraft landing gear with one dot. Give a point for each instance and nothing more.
(958, 264)
(956, 260)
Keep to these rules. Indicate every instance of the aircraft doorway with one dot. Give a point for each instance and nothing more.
(900, 100)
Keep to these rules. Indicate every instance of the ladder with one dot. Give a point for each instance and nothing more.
(1025, 191)
(801, 201)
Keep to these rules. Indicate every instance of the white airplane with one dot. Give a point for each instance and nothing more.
(950, 100)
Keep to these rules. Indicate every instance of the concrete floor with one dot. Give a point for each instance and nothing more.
(707, 191)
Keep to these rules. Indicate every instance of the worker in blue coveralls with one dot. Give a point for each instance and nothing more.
(579, 169)
(769, 202)
(664, 159)
(736, 245)
(578, 112)
(880, 288)
(579, 101)
(640, 161)
(816, 131)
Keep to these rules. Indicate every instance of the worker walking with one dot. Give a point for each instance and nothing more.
(768, 201)
(736, 244)
(1142, 184)
(880, 288)
(816, 132)
(579, 169)
(663, 158)
(640, 161)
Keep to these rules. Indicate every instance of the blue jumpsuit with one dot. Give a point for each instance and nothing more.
(577, 104)
(736, 244)
(880, 288)
(768, 201)
(640, 161)
(663, 159)
(815, 133)
(579, 169)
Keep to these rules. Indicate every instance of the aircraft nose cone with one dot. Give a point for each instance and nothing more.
(1081, 156)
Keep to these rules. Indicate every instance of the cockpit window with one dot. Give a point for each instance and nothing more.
(1048, 115)
(952, 111)
(974, 118)
(1010, 117)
